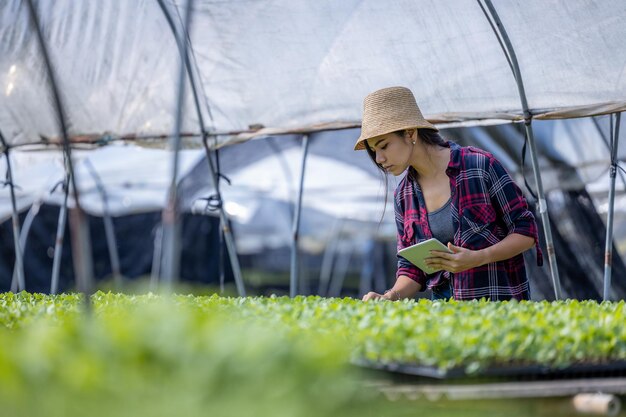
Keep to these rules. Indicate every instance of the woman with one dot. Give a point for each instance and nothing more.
(460, 195)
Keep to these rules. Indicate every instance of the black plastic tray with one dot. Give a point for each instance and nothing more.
(612, 369)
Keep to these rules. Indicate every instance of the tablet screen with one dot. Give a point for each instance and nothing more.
(418, 253)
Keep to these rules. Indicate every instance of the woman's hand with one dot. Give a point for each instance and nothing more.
(462, 259)
(459, 260)
(404, 287)
(373, 296)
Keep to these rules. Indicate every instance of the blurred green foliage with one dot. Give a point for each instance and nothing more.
(152, 355)
(163, 356)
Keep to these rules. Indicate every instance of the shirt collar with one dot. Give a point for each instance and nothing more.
(454, 166)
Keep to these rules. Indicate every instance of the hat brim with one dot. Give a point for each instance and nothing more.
(360, 143)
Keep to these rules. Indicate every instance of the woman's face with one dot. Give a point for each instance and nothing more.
(392, 152)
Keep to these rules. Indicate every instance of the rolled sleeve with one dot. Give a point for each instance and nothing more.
(405, 267)
(409, 270)
(511, 205)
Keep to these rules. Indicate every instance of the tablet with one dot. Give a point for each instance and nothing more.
(418, 253)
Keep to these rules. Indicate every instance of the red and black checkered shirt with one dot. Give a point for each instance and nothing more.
(486, 206)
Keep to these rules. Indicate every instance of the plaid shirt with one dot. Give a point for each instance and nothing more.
(486, 207)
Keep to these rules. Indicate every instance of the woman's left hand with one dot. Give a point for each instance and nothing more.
(459, 260)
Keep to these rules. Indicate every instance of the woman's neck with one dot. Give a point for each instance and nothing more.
(429, 161)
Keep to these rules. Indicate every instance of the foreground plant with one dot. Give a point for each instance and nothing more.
(186, 355)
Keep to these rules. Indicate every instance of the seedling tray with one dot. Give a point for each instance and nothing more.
(580, 370)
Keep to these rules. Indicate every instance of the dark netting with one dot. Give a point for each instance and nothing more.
(135, 243)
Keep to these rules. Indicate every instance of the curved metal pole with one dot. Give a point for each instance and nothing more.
(284, 167)
(156, 258)
(542, 203)
(226, 233)
(60, 236)
(608, 146)
(81, 243)
(293, 278)
(19, 261)
(190, 73)
(608, 253)
(170, 266)
(329, 255)
(221, 261)
(340, 272)
(608, 246)
(109, 230)
(366, 276)
(58, 247)
(28, 222)
(232, 253)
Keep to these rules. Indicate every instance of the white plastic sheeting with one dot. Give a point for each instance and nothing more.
(135, 179)
(295, 64)
(260, 200)
(332, 186)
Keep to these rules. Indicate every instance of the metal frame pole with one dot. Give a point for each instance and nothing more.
(329, 256)
(19, 261)
(170, 268)
(60, 236)
(542, 203)
(232, 253)
(28, 221)
(58, 247)
(340, 272)
(109, 230)
(293, 278)
(608, 147)
(81, 243)
(156, 258)
(225, 231)
(608, 247)
(542, 206)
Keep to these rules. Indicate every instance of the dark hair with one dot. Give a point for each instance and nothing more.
(430, 137)
(427, 136)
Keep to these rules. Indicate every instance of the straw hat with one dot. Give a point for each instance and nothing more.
(389, 110)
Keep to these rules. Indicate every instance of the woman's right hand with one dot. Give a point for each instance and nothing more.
(373, 296)
(404, 287)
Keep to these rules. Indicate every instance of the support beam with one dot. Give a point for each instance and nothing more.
(225, 232)
(329, 256)
(232, 252)
(542, 205)
(18, 268)
(293, 277)
(170, 267)
(109, 230)
(608, 246)
(25, 229)
(81, 243)
(60, 236)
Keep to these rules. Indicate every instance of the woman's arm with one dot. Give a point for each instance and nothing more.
(404, 287)
(463, 259)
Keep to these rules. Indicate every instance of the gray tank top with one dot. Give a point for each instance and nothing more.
(440, 222)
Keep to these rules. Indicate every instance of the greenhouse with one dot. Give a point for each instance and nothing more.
(185, 226)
